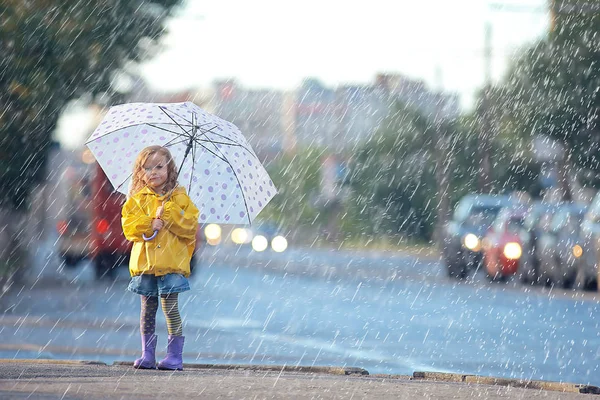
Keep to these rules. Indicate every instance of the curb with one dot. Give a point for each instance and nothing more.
(229, 367)
(518, 383)
(49, 361)
(417, 375)
(275, 368)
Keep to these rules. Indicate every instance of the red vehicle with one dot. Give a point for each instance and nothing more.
(502, 247)
(108, 247)
(97, 233)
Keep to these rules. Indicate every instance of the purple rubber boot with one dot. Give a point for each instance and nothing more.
(148, 359)
(174, 359)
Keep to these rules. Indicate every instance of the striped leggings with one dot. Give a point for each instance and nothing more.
(170, 307)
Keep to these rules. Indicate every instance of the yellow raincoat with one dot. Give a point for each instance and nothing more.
(171, 250)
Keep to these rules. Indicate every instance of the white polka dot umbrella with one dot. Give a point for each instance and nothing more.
(217, 166)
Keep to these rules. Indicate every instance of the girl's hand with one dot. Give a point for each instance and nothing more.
(159, 212)
(157, 224)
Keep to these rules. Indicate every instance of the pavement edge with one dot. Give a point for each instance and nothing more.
(274, 368)
(519, 383)
(417, 375)
(49, 361)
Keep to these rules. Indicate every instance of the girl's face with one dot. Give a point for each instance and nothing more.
(156, 172)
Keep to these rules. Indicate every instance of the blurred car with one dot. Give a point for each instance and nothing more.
(587, 265)
(260, 236)
(73, 226)
(73, 240)
(108, 246)
(267, 236)
(501, 244)
(537, 222)
(561, 246)
(462, 236)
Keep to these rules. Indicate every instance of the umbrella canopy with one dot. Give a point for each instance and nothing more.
(217, 166)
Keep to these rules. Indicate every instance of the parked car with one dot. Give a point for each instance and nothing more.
(587, 265)
(537, 222)
(73, 225)
(462, 236)
(560, 247)
(501, 244)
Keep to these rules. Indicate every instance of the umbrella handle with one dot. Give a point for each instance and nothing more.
(153, 235)
(149, 238)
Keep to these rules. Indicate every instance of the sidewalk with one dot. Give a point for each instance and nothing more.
(52, 379)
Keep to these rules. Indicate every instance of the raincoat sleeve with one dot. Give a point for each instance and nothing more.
(181, 217)
(135, 222)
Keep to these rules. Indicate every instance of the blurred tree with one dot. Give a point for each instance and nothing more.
(297, 179)
(552, 89)
(513, 165)
(393, 178)
(398, 188)
(52, 51)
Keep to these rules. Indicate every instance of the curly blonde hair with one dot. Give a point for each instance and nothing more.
(137, 179)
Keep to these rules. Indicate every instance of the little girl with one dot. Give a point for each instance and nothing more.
(161, 221)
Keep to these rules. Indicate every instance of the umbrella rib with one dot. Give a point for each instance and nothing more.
(232, 144)
(203, 131)
(163, 109)
(229, 144)
(241, 191)
(222, 158)
(186, 134)
(170, 143)
(193, 169)
(239, 183)
(226, 144)
(122, 183)
(192, 124)
(211, 152)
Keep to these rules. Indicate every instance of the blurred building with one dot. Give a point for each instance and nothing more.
(342, 118)
(317, 115)
(258, 114)
(415, 94)
(337, 119)
(361, 109)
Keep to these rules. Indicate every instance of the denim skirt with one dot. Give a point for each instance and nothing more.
(151, 285)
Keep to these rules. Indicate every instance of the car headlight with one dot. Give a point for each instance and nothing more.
(577, 251)
(279, 244)
(241, 236)
(260, 243)
(472, 242)
(512, 250)
(212, 232)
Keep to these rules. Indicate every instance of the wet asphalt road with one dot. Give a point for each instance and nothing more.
(386, 314)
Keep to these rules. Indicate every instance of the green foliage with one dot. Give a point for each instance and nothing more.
(552, 89)
(395, 190)
(297, 179)
(393, 181)
(513, 168)
(51, 52)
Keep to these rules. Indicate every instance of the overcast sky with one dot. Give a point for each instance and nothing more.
(275, 43)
